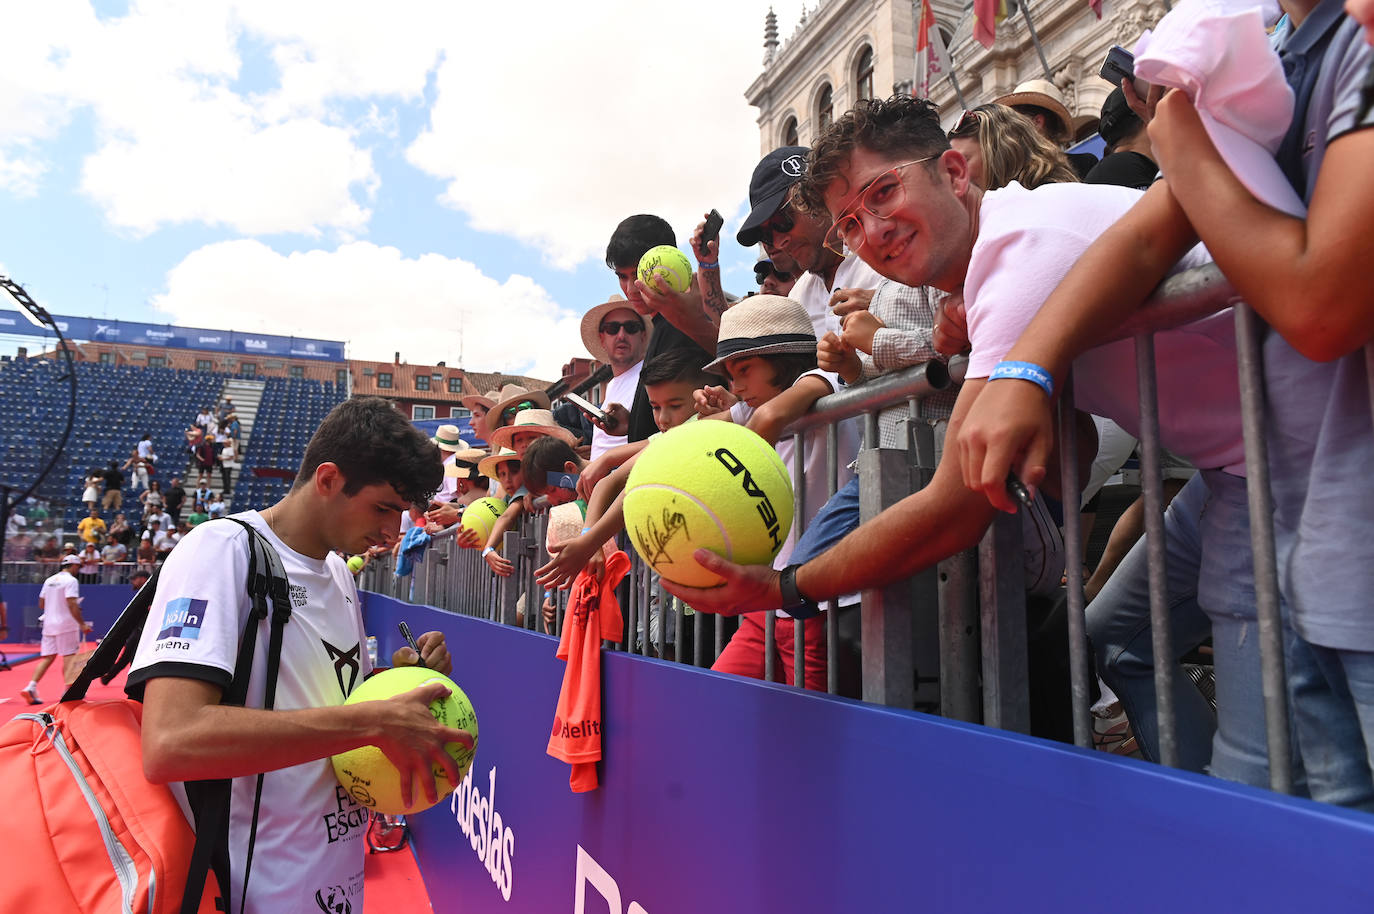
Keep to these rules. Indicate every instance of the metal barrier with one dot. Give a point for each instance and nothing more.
(972, 607)
(39, 571)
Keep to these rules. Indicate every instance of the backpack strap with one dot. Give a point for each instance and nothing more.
(210, 800)
(116, 649)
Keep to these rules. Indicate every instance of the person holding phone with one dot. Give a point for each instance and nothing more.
(618, 335)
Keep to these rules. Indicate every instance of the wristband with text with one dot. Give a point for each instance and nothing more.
(1024, 371)
(488, 551)
(708, 266)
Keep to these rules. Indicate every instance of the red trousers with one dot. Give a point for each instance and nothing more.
(744, 655)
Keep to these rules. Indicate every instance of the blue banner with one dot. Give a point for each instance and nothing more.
(136, 333)
(724, 794)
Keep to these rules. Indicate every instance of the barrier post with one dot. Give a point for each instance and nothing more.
(884, 479)
(1001, 580)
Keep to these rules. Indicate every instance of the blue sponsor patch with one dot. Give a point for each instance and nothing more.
(182, 618)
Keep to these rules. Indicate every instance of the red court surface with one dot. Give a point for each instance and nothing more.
(393, 881)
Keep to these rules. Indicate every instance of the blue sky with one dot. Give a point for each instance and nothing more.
(312, 168)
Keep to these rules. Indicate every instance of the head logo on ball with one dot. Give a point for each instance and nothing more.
(708, 484)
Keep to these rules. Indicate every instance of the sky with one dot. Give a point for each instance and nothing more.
(440, 180)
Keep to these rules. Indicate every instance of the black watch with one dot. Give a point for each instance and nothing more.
(794, 603)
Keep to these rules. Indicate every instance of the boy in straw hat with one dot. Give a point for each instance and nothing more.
(448, 441)
(768, 348)
(505, 468)
(511, 400)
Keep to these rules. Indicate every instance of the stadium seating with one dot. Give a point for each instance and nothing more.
(290, 411)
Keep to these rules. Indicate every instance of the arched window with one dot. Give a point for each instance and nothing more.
(790, 136)
(863, 74)
(825, 108)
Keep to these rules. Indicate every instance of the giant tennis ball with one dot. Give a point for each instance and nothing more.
(366, 773)
(668, 263)
(707, 484)
(482, 514)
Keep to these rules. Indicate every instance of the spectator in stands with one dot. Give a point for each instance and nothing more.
(504, 467)
(616, 334)
(137, 580)
(1129, 160)
(147, 556)
(120, 531)
(447, 439)
(1001, 145)
(216, 507)
(1299, 260)
(152, 499)
(1041, 101)
(675, 321)
(203, 453)
(198, 514)
(114, 552)
(145, 450)
(138, 467)
(233, 428)
(511, 401)
(89, 569)
(90, 496)
(204, 418)
(771, 280)
(46, 549)
(227, 458)
(63, 625)
(768, 348)
(92, 526)
(160, 538)
(795, 241)
(225, 410)
(203, 495)
(174, 498)
(478, 405)
(114, 486)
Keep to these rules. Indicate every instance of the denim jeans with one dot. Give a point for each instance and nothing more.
(1211, 590)
(1332, 695)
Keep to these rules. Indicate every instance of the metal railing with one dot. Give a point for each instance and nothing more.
(952, 639)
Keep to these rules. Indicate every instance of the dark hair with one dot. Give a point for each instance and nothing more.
(787, 366)
(635, 235)
(544, 456)
(1057, 130)
(677, 365)
(372, 443)
(900, 125)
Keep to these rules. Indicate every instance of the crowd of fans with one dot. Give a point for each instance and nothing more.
(893, 240)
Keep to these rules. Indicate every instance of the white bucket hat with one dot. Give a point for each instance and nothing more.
(763, 325)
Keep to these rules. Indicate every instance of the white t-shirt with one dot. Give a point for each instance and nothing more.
(814, 294)
(1027, 241)
(620, 390)
(816, 486)
(448, 490)
(57, 615)
(145, 448)
(310, 833)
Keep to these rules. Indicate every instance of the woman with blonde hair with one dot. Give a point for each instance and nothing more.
(1002, 145)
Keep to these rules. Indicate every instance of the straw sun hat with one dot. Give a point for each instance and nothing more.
(763, 325)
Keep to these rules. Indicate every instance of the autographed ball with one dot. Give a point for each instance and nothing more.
(481, 515)
(713, 485)
(667, 263)
(366, 773)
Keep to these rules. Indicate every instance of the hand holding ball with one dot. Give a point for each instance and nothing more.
(369, 776)
(667, 263)
(480, 516)
(707, 484)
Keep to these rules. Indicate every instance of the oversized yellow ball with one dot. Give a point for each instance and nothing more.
(667, 263)
(481, 515)
(368, 775)
(707, 484)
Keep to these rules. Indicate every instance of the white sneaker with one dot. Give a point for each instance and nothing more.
(30, 694)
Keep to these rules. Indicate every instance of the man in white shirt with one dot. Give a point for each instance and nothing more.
(362, 468)
(618, 335)
(795, 239)
(60, 601)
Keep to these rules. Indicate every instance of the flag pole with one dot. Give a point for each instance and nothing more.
(1035, 38)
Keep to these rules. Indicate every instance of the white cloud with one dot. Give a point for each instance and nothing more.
(553, 130)
(430, 308)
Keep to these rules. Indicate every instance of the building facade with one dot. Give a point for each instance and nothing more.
(845, 50)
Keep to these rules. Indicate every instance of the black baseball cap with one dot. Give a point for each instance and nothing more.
(1117, 120)
(773, 178)
(765, 267)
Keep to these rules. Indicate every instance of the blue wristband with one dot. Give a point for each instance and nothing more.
(708, 266)
(1024, 371)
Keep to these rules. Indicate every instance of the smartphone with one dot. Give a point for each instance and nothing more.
(1119, 66)
(596, 413)
(711, 231)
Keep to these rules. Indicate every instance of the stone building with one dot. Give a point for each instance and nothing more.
(844, 50)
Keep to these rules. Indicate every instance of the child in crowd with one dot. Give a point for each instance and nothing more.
(505, 468)
(768, 348)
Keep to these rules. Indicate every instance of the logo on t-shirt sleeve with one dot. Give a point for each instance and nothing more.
(182, 619)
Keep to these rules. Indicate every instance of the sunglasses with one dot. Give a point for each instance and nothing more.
(611, 328)
(780, 222)
(509, 412)
(967, 125)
